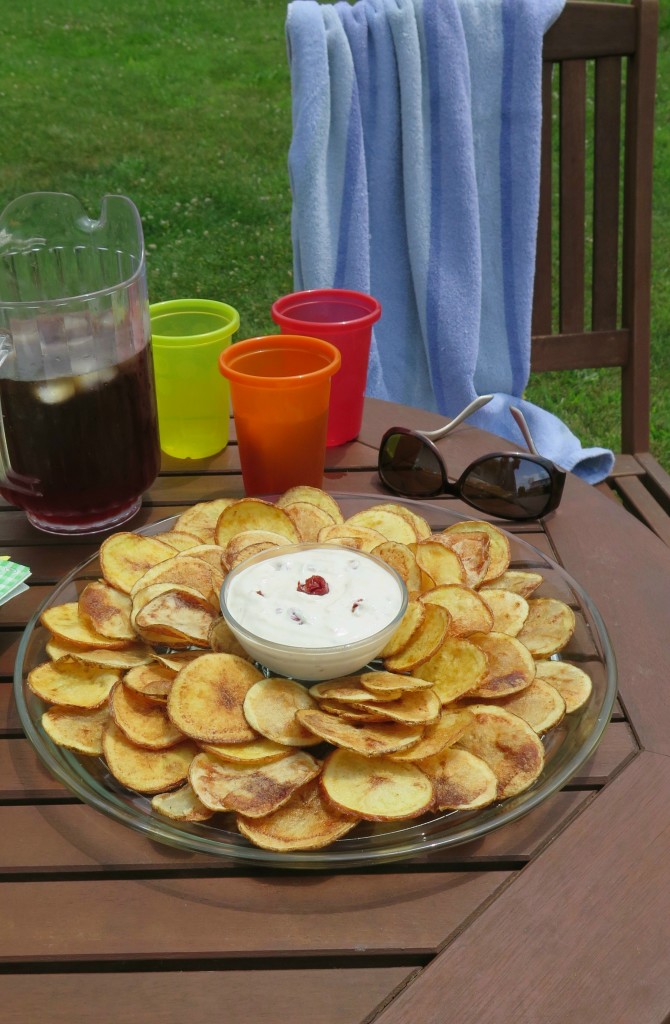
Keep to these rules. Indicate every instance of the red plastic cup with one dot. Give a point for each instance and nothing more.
(280, 390)
(345, 319)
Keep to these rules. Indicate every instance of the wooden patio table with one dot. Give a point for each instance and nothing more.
(562, 916)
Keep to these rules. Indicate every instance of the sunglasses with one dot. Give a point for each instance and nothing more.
(507, 485)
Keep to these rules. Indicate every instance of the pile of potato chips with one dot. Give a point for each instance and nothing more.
(144, 672)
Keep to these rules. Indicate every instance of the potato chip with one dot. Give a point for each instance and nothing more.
(349, 712)
(254, 514)
(251, 790)
(179, 539)
(368, 740)
(509, 610)
(548, 627)
(210, 553)
(468, 612)
(523, 583)
(424, 643)
(201, 519)
(456, 668)
(473, 551)
(400, 558)
(313, 495)
(146, 771)
(441, 564)
(181, 805)
(222, 640)
(180, 613)
(383, 520)
(573, 684)
(207, 697)
(124, 557)
(421, 525)
(420, 707)
(510, 665)
(305, 822)
(499, 549)
(349, 689)
(249, 542)
(374, 788)
(260, 751)
(270, 709)
(309, 519)
(409, 627)
(73, 684)
(394, 682)
(540, 704)
(80, 731)
(66, 624)
(449, 727)
(126, 658)
(194, 573)
(350, 535)
(509, 746)
(176, 660)
(106, 611)
(151, 681)
(461, 781)
(142, 720)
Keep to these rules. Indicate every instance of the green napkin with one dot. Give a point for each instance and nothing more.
(12, 577)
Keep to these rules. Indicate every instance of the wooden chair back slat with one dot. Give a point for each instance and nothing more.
(572, 199)
(606, 178)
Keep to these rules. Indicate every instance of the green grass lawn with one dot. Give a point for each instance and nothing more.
(185, 107)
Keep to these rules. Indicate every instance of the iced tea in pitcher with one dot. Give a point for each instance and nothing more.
(78, 429)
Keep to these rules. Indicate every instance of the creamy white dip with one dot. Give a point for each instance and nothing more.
(363, 597)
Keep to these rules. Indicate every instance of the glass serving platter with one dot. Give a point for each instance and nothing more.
(567, 746)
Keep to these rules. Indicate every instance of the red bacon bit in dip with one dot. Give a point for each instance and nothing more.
(314, 585)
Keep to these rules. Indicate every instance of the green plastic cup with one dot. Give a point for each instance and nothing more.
(188, 336)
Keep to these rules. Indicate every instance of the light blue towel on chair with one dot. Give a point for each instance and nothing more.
(414, 168)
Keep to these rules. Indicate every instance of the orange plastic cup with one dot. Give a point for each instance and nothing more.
(280, 392)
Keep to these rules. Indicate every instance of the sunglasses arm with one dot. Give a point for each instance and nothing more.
(523, 427)
(437, 435)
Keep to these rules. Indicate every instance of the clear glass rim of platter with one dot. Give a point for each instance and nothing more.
(567, 747)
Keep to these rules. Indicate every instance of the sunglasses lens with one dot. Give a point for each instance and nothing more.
(407, 465)
(508, 486)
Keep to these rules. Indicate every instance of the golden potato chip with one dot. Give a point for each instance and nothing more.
(207, 698)
(181, 805)
(411, 622)
(509, 746)
(509, 610)
(210, 553)
(146, 771)
(126, 658)
(260, 751)
(124, 557)
(313, 495)
(573, 684)
(441, 564)
(270, 707)
(350, 535)
(374, 788)
(250, 542)
(523, 583)
(194, 573)
(349, 712)
(305, 822)
(368, 740)
(540, 704)
(461, 781)
(309, 519)
(499, 550)
(383, 520)
(394, 682)
(80, 731)
(400, 558)
(142, 720)
(456, 668)
(349, 689)
(548, 627)
(201, 519)
(180, 613)
(151, 681)
(177, 659)
(222, 640)
(254, 514)
(179, 539)
(420, 707)
(251, 790)
(73, 684)
(473, 551)
(66, 624)
(510, 665)
(421, 526)
(467, 610)
(424, 643)
(449, 727)
(106, 611)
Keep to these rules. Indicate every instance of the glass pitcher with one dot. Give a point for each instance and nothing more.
(78, 426)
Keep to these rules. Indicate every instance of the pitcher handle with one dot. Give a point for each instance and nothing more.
(27, 485)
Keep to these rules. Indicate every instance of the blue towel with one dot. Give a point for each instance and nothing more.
(414, 167)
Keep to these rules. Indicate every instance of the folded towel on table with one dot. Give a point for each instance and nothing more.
(414, 167)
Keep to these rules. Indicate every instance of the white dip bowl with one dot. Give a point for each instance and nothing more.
(276, 605)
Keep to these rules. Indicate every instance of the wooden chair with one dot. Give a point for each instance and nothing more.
(592, 298)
